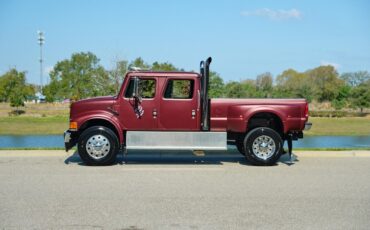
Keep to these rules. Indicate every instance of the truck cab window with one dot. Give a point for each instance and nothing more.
(179, 89)
(146, 88)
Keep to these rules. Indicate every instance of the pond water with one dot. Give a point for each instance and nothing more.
(333, 142)
(51, 141)
(31, 141)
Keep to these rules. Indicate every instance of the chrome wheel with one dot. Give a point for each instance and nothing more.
(97, 146)
(263, 147)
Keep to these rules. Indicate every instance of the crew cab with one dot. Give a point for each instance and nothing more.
(172, 111)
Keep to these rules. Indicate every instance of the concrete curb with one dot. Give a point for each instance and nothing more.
(336, 154)
(34, 153)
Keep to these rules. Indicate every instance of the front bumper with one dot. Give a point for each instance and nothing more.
(69, 140)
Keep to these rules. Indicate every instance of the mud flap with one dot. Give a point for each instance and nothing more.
(290, 148)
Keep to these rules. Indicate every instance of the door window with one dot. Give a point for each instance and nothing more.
(179, 89)
(146, 88)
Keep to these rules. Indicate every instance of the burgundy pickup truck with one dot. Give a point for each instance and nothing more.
(172, 111)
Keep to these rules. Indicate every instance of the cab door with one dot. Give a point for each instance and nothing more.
(146, 117)
(180, 105)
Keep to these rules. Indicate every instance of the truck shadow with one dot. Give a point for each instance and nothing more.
(177, 158)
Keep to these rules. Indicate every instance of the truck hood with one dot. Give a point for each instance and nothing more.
(91, 104)
(94, 100)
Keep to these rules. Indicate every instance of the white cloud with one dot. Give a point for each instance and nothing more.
(326, 63)
(274, 14)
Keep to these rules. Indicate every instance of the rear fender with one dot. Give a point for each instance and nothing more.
(274, 111)
(238, 116)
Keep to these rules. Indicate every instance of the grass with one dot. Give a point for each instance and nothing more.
(37, 110)
(345, 126)
(23, 125)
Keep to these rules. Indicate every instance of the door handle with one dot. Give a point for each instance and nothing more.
(193, 113)
(155, 113)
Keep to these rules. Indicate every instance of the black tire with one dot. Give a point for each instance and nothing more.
(266, 153)
(98, 145)
(240, 147)
(239, 143)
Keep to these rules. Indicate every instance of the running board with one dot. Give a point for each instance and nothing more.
(166, 140)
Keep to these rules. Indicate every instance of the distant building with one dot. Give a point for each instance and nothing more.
(39, 98)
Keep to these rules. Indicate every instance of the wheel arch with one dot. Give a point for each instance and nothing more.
(265, 118)
(99, 121)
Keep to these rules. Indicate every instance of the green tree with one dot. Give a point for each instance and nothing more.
(360, 96)
(264, 84)
(52, 92)
(118, 74)
(250, 89)
(138, 63)
(342, 98)
(79, 77)
(355, 78)
(293, 84)
(165, 66)
(234, 89)
(216, 85)
(321, 83)
(14, 89)
(326, 82)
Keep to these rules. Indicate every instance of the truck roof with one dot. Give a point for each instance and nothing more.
(151, 73)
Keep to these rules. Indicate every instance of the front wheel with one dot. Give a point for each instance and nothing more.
(240, 147)
(239, 143)
(263, 146)
(98, 145)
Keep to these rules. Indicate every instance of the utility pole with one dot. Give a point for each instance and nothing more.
(41, 41)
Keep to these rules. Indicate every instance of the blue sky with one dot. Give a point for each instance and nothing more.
(245, 38)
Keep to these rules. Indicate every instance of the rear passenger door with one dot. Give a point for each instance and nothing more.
(180, 105)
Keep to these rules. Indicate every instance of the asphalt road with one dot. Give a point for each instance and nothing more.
(53, 190)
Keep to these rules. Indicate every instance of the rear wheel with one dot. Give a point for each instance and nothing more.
(263, 146)
(98, 145)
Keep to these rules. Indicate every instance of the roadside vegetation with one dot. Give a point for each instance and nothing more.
(47, 118)
(339, 102)
(83, 76)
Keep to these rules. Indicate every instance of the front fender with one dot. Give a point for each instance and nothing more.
(105, 116)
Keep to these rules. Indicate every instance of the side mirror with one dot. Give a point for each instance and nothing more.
(136, 91)
(137, 98)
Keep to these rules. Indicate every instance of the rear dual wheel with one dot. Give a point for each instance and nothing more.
(263, 146)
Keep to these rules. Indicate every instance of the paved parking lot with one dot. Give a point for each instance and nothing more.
(52, 189)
